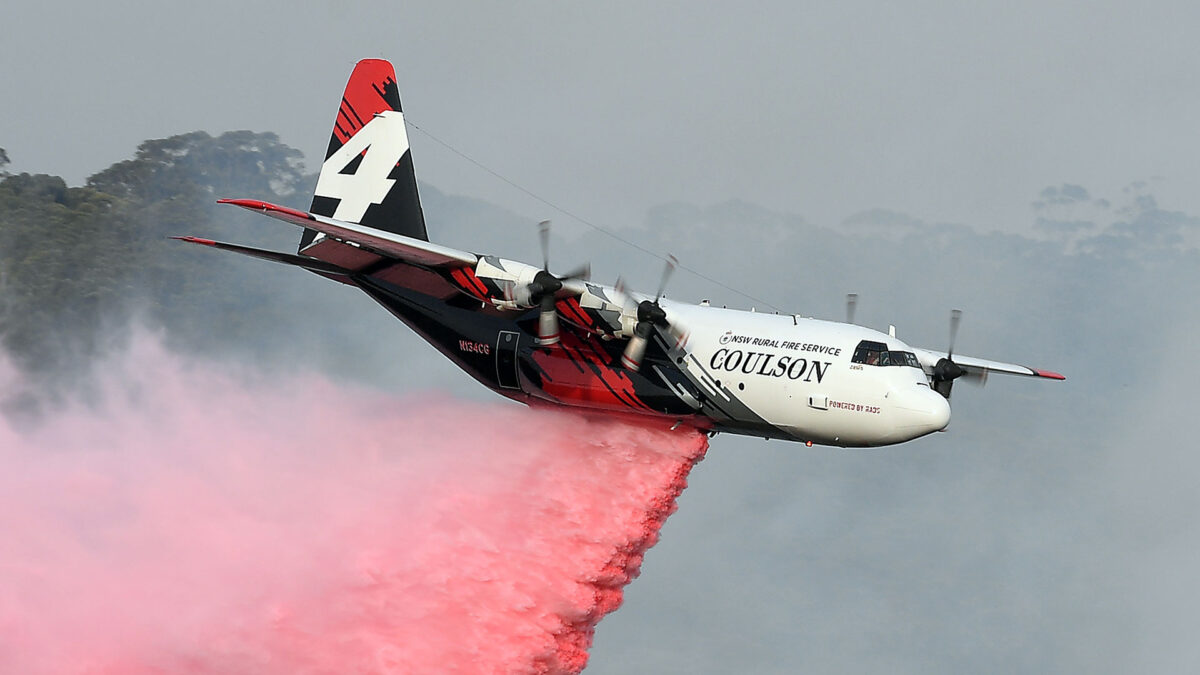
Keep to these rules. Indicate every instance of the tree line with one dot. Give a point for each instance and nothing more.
(77, 263)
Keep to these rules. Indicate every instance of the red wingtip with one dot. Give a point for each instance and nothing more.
(1049, 374)
(246, 203)
(197, 240)
(259, 205)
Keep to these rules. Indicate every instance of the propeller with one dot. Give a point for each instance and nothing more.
(544, 288)
(544, 240)
(851, 305)
(650, 314)
(946, 370)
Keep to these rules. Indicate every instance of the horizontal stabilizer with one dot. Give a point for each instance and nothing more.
(385, 243)
(274, 256)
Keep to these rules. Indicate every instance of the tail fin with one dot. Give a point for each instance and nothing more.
(368, 176)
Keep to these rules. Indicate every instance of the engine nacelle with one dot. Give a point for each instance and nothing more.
(510, 280)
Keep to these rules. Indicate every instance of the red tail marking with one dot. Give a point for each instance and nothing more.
(365, 97)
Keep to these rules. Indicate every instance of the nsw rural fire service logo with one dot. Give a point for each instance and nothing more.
(726, 337)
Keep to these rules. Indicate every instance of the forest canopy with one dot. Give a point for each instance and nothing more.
(77, 263)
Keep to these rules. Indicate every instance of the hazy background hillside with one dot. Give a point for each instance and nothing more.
(1050, 529)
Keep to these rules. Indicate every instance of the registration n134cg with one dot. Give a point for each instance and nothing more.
(538, 337)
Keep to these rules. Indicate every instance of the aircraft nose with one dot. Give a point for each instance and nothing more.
(939, 413)
(923, 411)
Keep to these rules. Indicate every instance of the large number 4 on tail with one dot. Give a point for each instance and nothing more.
(358, 173)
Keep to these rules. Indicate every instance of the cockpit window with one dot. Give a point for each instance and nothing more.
(877, 354)
(869, 352)
(901, 359)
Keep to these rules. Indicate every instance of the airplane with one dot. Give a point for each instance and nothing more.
(562, 340)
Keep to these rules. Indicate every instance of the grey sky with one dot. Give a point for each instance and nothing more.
(949, 111)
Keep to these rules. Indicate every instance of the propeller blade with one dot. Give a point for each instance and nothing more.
(583, 272)
(955, 318)
(544, 237)
(977, 378)
(672, 261)
(679, 333)
(650, 314)
(547, 322)
(621, 293)
(620, 296)
(851, 305)
(946, 371)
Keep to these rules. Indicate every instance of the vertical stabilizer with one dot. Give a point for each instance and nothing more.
(367, 177)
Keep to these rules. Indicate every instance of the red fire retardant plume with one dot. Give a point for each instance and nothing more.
(197, 523)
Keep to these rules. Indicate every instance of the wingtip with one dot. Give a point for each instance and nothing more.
(245, 203)
(1049, 374)
(197, 240)
(268, 208)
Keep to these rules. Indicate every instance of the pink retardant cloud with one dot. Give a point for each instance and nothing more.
(199, 522)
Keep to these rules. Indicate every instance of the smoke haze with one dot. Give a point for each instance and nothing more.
(193, 520)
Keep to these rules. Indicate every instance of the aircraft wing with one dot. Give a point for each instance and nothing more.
(381, 242)
(979, 368)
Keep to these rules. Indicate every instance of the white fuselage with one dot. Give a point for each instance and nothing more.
(797, 375)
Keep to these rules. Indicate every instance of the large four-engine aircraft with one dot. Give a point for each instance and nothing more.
(536, 337)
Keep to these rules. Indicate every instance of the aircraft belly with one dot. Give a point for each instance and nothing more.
(584, 370)
(417, 279)
(718, 399)
(466, 337)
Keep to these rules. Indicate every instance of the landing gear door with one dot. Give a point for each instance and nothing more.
(506, 359)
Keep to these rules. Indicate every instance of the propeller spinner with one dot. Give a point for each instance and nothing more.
(544, 288)
(946, 371)
(650, 314)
